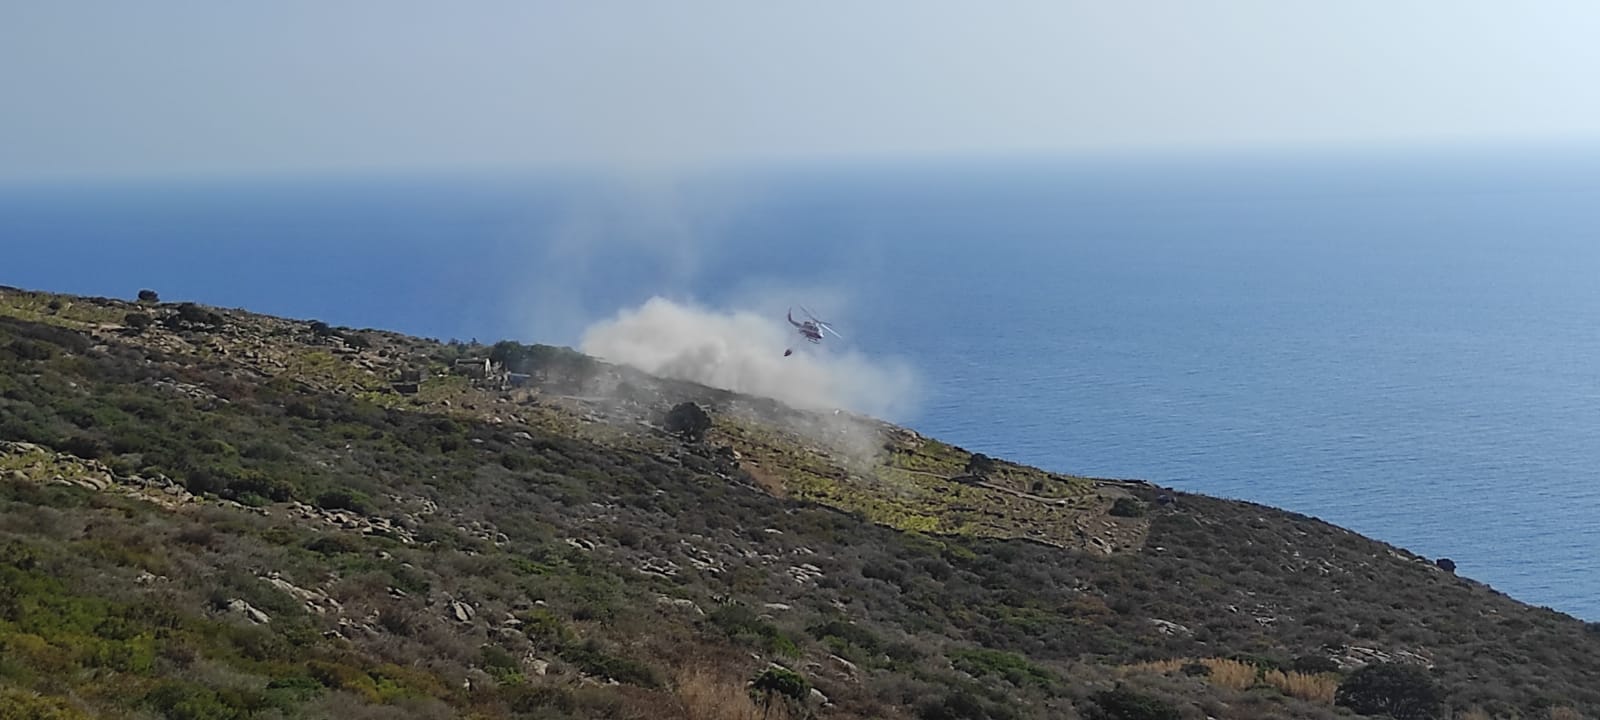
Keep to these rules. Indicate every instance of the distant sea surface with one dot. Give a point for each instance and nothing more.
(1408, 347)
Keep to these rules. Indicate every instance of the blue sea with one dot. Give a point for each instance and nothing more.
(1403, 345)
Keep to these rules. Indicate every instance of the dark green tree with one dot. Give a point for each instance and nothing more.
(1401, 691)
(688, 421)
(136, 321)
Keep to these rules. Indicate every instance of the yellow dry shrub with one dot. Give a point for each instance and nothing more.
(1562, 712)
(1156, 666)
(708, 696)
(1318, 687)
(1230, 673)
(1235, 675)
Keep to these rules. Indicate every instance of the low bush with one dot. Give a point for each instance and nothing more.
(1125, 704)
(1404, 692)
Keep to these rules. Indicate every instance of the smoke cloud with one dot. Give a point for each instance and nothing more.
(603, 239)
(742, 351)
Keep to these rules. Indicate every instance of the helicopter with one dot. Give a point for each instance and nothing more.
(811, 329)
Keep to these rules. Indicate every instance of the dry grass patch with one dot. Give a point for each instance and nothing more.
(1230, 673)
(1160, 667)
(707, 695)
(1236, 675)
(1317, 688)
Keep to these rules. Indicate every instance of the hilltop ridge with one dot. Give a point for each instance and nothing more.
(208, 512)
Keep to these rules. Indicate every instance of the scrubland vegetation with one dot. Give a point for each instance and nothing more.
(213, 514)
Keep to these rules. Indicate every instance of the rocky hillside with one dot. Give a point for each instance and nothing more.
(209, 513)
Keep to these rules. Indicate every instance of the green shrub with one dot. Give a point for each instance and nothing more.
(85, 446)
(343, 499)
(334, 543)
(1014, 668)
(17, 704)
(742, 623)
(781, 681)
(177, 700)
(1124, 704)
(137, 321)
(302, 686)
(267, 450)
(848, 633)
(338, 676)
(516, 461)
(526, 698)
(31, 351)
(251, 482)
(963, 704)
(1314, 664)
(1127, 507)
(500, 664)
(193, 314)
(590, 657)
(545, 628)
(1402, 691)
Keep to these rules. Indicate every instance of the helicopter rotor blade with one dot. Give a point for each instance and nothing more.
(812, 315)
(819, 322)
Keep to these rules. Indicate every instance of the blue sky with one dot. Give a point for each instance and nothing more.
(161, 88)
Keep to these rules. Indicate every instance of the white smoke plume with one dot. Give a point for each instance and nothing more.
(660, 229)
(742, 351)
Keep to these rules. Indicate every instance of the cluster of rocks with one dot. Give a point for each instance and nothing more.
(805, 573)
(268, 346)
(486, 532)
(680, 604)
(691, 556)
(352, 629)
(700, 559)
(1167, 627)
(192, 391)
(316, 601)
(837, 667)
(460, 611)
(248, 612)
(1353, 656)
(356, 522)
(39, 463)
(658, 567)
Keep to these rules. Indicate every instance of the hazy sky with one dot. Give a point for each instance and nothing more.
(161, 88)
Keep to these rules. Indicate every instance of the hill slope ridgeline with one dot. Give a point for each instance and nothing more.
(209, 513)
